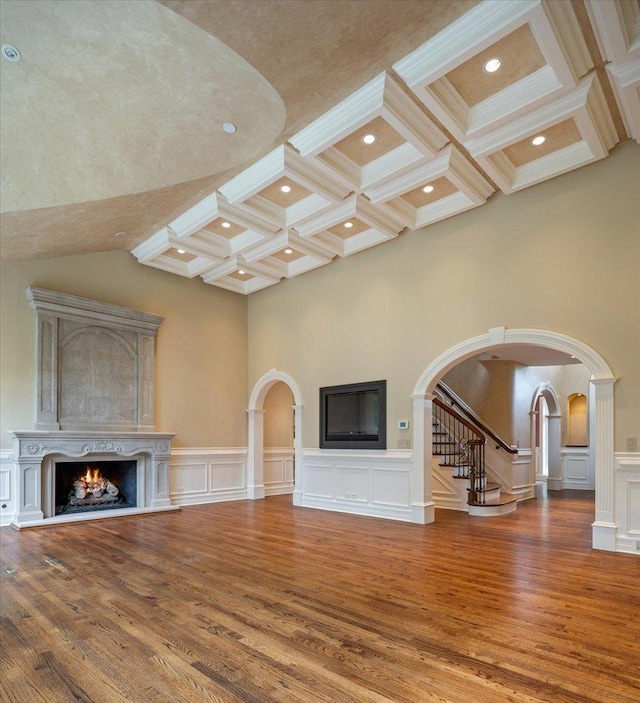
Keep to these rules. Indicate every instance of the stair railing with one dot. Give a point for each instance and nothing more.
(462, 446)
(455, 401)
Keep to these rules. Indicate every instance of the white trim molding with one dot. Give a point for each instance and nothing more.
(565, 53)
(374, 483)
(627, 502)
(604, 527)
(7, 487)
(207, 475)
(255, 412)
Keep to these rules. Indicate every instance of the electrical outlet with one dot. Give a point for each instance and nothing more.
(404, 444)
(632, 444)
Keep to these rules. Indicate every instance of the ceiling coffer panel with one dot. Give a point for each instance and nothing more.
(433, 132)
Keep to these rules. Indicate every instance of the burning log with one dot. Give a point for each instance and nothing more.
(93, 489)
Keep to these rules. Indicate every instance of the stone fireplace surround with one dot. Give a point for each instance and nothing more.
(38, 451)
(94, 402)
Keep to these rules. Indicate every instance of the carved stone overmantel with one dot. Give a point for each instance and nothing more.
(94, 364)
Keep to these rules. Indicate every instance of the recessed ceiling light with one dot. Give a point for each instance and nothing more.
(492, 65)
(285, 189)
(181, 251)
(536, 141)
(241, 272)
(226, 225)
(229, 128)
(369, 138)
(11, 53)
(121, 234)
(348, 225)
(427, 189)
(288, 251)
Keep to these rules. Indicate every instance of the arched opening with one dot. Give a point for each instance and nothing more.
(546, 439)
(603, 527)
(256, 418)
(278, 461)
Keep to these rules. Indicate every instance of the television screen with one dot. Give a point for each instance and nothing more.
(353, 416)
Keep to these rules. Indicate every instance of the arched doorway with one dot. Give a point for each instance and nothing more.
(278, 462)
(546, 418)
(255, 459)
(604, 526)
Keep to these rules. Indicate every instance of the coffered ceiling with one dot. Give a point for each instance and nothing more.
(354, 121)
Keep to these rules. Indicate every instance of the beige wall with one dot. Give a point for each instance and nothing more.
(559, 256)
(201, 349)
(488, 388)
(278, 418)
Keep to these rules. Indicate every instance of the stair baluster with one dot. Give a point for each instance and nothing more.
(461, 445)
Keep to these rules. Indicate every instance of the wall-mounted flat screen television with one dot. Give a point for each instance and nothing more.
(354, 416)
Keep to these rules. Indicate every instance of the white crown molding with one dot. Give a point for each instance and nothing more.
(563, 47)
(441, 209)
(377, 216)
(196, 217)
(449, 163)
(284, 162)
(263, 276)
(476, 30)
(473, 189)
(625, 79)
(586, 105)
(152, 252)
(352, 245)
(381, 97)
(617, 28)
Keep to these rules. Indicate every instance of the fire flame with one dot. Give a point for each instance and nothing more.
(92, 475)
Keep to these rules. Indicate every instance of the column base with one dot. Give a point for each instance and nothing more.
(604, 536)
(423, 513)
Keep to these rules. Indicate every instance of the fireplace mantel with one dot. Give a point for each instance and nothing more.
(36, 452)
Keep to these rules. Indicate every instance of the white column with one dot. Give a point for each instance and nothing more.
(422, 506)
(555, 479)
(255, 466)
(605, 526)
(297, 454)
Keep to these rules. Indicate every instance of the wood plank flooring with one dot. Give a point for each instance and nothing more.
(263, 602)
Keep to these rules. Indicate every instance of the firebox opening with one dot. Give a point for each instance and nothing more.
(84, 486)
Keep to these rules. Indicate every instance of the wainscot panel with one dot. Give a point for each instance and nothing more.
(575, 469)
(7, 499)
(375, 483)
(627, 502)
(207, 475)
(278, 470)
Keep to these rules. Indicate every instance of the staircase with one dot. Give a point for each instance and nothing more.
(460, 446)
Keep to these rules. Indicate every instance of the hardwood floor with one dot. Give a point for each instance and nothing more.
(261, 602)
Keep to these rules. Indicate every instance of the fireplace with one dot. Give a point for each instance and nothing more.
(85, 486)
(94, 451)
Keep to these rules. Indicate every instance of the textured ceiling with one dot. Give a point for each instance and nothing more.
(113, 119)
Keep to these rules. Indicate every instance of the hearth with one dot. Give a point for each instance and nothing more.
(82, 487)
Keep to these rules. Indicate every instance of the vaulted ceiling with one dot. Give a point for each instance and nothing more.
(354, 121)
